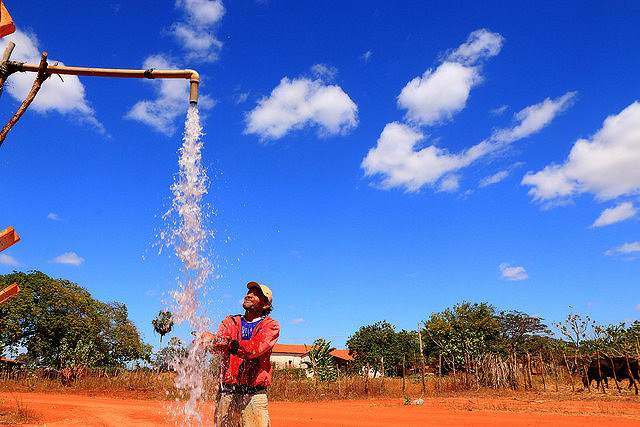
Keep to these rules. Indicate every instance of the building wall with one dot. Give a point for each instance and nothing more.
(286, 360)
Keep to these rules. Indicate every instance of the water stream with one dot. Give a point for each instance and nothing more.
(188, 238)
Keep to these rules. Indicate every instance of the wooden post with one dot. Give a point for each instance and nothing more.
(5, 57)
(366, 380)
(544, 383)
(37, 84)
(573, 387)
(599, 371)
(382, 372)
(586, 375)
(403, 380)
(439, 371)
(529, 373)
(553, 369)
(631, 373)
(615, 377)
(424, 386)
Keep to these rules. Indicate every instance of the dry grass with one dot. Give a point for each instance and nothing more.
(289, 386)
(19, 413)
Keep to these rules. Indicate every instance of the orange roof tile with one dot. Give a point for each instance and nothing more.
(290, 348)
(341, 354)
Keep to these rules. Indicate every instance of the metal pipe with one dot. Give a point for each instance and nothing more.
(192, 75)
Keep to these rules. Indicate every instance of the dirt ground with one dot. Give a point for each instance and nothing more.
(498, 410)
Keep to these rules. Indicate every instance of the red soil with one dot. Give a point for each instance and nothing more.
(501, 410)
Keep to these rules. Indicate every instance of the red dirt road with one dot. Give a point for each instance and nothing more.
(521, 410)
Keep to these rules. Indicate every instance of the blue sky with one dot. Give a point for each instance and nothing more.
(368, 160)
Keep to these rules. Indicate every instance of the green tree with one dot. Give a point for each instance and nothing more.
(162, 324)
(50, 317)
(520, 331)
(320, 362)
(466, 329)
(372, 344)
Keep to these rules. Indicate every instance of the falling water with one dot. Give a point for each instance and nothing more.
(189, 240)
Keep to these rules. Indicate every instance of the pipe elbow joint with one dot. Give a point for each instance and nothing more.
(194, 77)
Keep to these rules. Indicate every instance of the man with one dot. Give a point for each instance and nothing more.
(245, 343)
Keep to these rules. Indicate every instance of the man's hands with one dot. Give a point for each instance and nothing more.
(210, 341)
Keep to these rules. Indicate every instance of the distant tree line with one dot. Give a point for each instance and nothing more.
(459, 336)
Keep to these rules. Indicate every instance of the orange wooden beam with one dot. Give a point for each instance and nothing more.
(6, 23)
(8, 292)
(8, 237)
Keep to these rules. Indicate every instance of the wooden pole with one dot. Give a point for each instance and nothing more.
(573, 387)
(599, 371)
(4, 72)
(439, 371)
(544, 383)
(403, 370)
(615, 377)
(424, 386)
(40, 78)
(553, 369)
(631, 373)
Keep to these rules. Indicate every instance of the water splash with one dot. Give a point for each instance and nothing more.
(189, 240)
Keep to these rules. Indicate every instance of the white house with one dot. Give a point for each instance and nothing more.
(293, 355)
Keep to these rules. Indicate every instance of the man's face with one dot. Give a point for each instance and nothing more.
(255, 301)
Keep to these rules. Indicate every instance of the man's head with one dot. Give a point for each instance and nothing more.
(258, 299)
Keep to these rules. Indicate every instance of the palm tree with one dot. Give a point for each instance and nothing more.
(162, 324)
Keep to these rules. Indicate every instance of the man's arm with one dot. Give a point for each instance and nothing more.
(262, 341)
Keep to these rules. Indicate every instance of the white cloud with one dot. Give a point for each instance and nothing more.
(626, 248)
(438, 94)
(195, 34)
(296, 321)
(8, 260)
(68, 258)
(612, 215)
(605, 165)
(67, 98)
(296, 103)
(324, 72)
(400, 165)
(450, 183)
(499, 110)
(512, 273)
(493, 179)
(533, 118)
(480, 44)
(366, 56)
(241, 97)
(171, 102)
(54, 217)
(395, 156)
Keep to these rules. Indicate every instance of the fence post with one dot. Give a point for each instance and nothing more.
(599, 372)
(439, 371)
(424, 386)
(366, 380)
(553, 369)
(631, 373)
(573, 387)
(615, 377)
(544, 383)
(403, 380)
